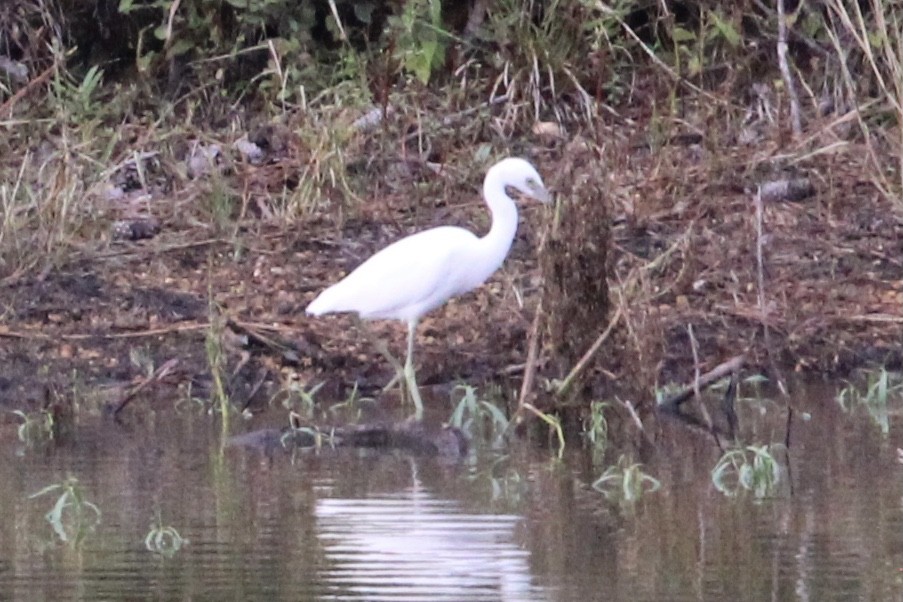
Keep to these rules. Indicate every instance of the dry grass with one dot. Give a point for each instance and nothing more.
(869, 41)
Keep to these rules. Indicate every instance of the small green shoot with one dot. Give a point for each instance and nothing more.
(72, 516)
(163, 540)
(352, 405)
(752, 468)
(882, 387)
(595, 426)
(78, 99)
(299, 399)
(216, 358)
(625, 482)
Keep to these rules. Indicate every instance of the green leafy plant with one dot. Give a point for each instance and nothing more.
(626, 482)
(421, 41)
(715, 37)
(72, 517)
(752, 468)
(78, 100)
(477, 417)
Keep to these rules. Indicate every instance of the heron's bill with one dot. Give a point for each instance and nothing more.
(541, 194)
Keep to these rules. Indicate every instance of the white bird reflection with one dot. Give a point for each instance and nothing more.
(413, 546)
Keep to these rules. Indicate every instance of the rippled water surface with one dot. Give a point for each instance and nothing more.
(362, 525)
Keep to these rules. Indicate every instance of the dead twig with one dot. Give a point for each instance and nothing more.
(584, 361)
(159, 374)
(8, 105)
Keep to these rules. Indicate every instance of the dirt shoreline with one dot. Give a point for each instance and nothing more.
(101, 324)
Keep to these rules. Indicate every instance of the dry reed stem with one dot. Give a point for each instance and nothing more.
(761, 292)
(892, 60)
(532, 353)
(694, 347)
(784, 66)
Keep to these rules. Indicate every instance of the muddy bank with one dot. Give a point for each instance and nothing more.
(685, 268)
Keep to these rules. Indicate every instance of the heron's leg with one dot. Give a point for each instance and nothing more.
(409, 372)
(383, 349)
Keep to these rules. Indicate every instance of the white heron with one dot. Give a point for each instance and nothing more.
(419, 273)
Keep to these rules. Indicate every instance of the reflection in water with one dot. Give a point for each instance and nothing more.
(350, 525)
(413, 546)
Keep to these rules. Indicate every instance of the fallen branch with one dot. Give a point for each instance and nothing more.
(672, 403)
(37, 336)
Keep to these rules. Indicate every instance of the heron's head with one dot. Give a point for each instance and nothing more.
(522, 176)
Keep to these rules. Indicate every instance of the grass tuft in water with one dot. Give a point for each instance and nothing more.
(478, 418)
(625, 482)
(753, 468)
(36, 427)
(300, 399)
(163, 540)
(72, 517)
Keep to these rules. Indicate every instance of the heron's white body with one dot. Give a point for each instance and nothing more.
(419, 273)
(408, 278)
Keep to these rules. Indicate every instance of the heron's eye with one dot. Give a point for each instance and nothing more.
(531, 184)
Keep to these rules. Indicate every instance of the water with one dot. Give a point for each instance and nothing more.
(356, 525)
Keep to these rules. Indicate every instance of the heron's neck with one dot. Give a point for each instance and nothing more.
(504, 222)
